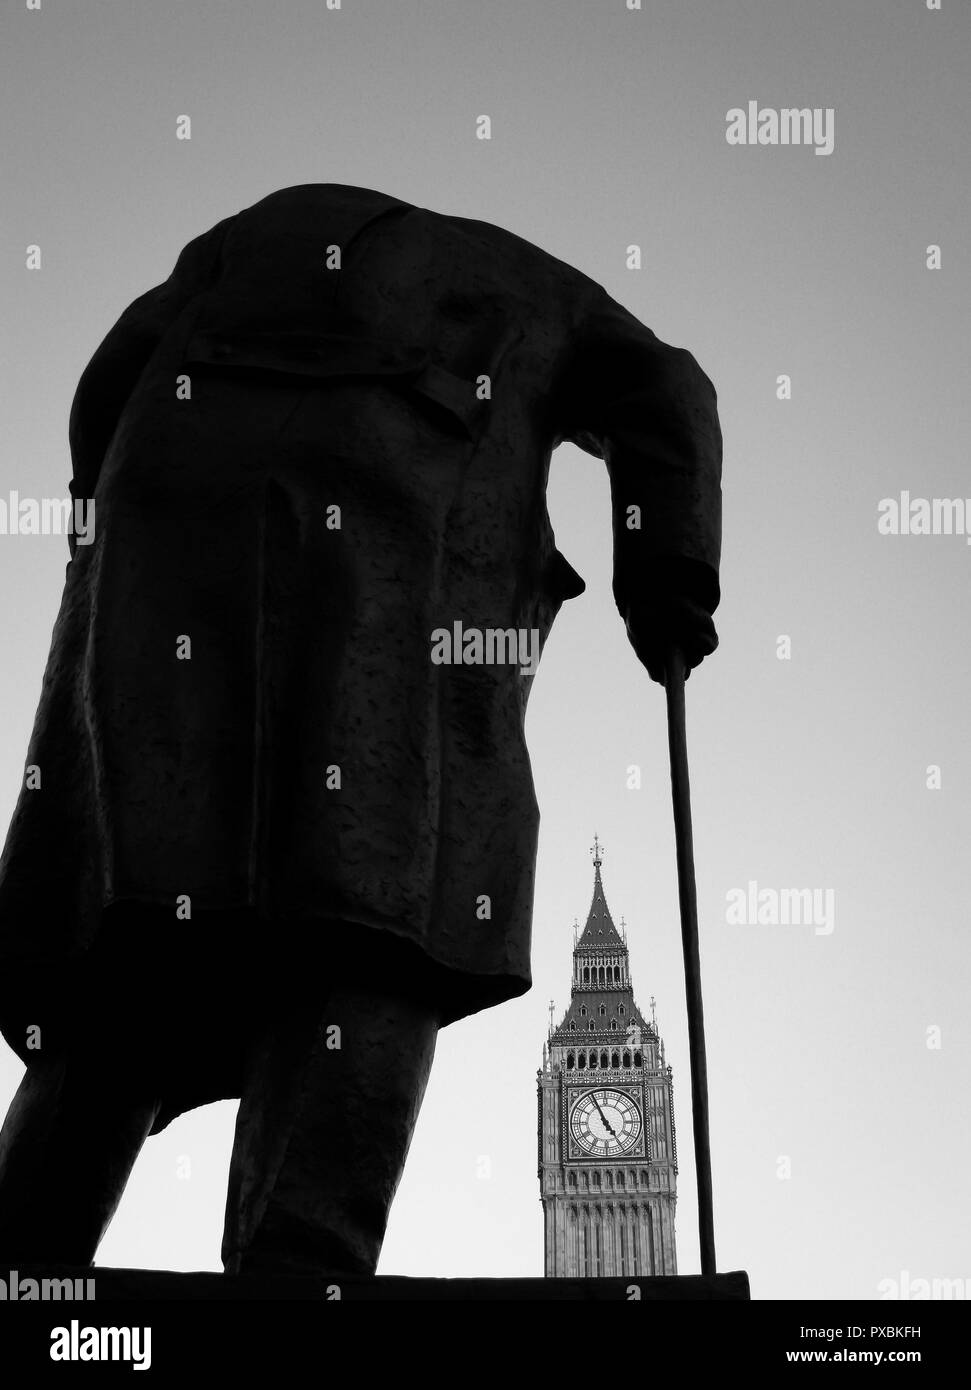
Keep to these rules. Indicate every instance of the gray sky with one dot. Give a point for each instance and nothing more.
(609, 129)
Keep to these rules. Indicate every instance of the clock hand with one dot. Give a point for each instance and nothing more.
(602, 1115)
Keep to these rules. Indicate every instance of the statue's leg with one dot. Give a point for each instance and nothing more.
(67, 1147)
(323, 1130)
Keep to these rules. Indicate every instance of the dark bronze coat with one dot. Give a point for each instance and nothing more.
(314, 386)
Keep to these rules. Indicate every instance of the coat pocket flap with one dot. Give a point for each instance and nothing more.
(337, 355)
(303, 354)
(454, 394)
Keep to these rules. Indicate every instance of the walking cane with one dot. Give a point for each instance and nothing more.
(674, 676)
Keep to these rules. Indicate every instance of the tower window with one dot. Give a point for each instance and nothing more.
(570, 1061)
(583, 1010)
(620, 1008)
(592, 1025)
(626, 1059)
(603, 1009)
(613, 1025)
(637, 1059)
(614, 1060)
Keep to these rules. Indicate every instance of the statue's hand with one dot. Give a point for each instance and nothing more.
(667, 602)
(675, 621)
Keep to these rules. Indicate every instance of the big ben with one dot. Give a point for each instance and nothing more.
(607, 1144)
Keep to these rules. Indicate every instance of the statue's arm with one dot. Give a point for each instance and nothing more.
(651, 413)
(113, 372)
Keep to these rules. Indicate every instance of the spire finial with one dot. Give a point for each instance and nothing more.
(551, 1018)
(596, 849)
(653, 1013)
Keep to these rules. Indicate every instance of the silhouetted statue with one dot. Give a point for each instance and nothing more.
(280, 825)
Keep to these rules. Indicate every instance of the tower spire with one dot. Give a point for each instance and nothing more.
(600, 929)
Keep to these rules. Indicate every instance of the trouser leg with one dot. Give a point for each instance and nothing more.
(323, 1132)
(67, 1148)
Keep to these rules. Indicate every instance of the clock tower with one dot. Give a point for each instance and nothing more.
(607, 1152)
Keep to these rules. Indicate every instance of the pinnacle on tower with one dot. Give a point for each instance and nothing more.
(600, 929)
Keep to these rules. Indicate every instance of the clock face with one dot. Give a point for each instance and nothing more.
(605, 1122)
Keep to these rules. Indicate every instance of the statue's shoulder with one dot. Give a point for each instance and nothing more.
(532, 262)
(491, 234)
(308, 199)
